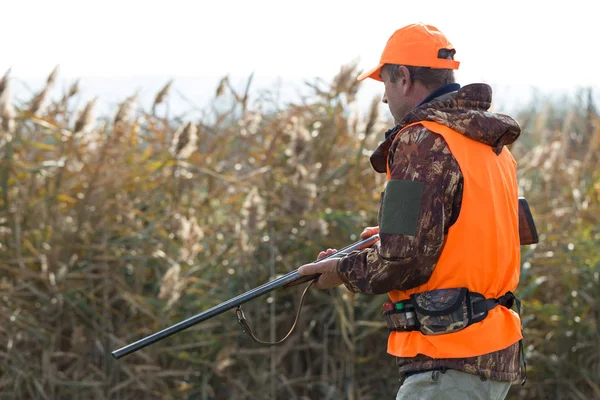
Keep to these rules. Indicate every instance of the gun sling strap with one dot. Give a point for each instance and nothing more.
(246, 328)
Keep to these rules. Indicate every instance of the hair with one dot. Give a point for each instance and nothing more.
(431, 78)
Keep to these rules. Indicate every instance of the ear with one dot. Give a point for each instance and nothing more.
(407, 82)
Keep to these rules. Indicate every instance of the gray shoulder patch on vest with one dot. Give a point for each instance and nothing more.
(401, 207)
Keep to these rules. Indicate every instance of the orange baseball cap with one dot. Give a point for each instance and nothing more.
(415, 45)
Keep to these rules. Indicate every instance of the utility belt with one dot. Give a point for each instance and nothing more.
(442, 311)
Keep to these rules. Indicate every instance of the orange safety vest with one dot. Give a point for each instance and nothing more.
(481, 252)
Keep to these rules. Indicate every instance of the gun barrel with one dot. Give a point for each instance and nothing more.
(232, 303)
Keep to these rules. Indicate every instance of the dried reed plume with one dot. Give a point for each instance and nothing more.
(74, 89)
(162, 95)
(253, 211)
(373, 116)
(222, 85)
(300, 138)
(172, 285)
(345, 81)
(87, 118)
(253, 219)
(189, 232)
(184, 141)
(362, 127)
(38, 104)
(126, 110)
(7, 111)
(51, 81)
(246, 244)
(4, 81)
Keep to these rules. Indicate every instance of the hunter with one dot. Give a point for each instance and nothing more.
(448, 253)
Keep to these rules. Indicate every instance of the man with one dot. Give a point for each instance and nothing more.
(448, 254)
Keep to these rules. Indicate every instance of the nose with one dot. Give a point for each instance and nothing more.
(384, 99)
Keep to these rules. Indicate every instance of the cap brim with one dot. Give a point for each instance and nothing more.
(373, 73)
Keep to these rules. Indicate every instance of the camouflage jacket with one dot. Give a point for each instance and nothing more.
(404, 261)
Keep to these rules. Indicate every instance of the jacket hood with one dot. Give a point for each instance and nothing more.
(465, 111)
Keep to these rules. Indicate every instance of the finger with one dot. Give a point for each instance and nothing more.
(369, 231)
(308, 269)
(326, 253)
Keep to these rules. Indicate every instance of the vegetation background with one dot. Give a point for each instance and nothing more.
(112, 228)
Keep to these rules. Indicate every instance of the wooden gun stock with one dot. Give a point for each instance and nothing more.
(527, 230)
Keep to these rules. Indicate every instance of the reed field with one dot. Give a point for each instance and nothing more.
(113, 227)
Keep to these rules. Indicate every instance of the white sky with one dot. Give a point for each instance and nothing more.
(540, 43)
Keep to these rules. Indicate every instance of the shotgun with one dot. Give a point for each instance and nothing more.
(527, 234)
(291, 279)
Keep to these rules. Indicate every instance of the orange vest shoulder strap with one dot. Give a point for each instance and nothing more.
(432, 126)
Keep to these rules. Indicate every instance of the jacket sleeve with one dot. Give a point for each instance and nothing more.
(405, 257)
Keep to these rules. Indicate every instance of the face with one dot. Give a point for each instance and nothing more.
(395, 95)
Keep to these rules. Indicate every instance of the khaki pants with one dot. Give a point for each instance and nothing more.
(451, 385)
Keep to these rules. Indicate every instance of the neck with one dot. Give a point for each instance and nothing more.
(420, 93)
